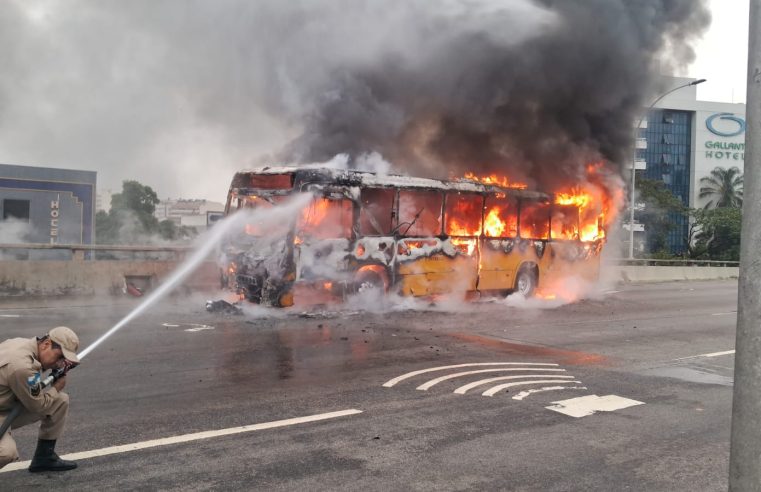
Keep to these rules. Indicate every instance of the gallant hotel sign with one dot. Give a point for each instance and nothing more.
(725, 125)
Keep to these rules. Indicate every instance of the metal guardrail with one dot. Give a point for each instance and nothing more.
(121, 252)
(18, 251)
(675, 262)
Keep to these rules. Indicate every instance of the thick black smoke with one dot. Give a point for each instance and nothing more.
(480, 93)
(179, 94)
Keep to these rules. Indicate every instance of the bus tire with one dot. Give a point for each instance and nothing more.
(371, 278)
(525, 282)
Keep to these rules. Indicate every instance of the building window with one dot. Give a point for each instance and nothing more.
(665, 158)
(16, 209)
(668, 138)
(668, 118)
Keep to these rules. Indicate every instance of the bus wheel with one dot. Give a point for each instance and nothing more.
(525, 284)
(370, 278)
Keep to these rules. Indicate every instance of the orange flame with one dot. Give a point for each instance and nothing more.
(493, 179)
(591, 203)
(493, 225)
(464, 245)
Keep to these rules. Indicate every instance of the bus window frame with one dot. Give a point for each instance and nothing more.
(513, 202)
(444, 214)
(393, 210)
(332, 192)
(397, 228)
(544, 201)
(554, 207)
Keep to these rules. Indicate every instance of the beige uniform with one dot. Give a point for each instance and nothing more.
(20, 369)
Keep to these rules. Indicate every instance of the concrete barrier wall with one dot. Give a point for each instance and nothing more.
(53, 278)
(667, 273)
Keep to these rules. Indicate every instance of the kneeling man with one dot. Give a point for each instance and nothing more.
(22, 362)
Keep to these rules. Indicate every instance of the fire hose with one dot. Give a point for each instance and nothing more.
(54, 376)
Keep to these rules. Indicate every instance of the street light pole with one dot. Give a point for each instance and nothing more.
(634, 161)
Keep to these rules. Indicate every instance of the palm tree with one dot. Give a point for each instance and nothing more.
(724, 187)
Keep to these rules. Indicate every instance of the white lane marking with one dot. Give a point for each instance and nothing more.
(712, 354)
(717, 354)
(724, 314)
(588, 405)
(10, 315)
(191, 437)
(428, 384)
(611, 292)
(464, 389)
(525, 393)
(392, 382)
(194, 327)
(200, 328)
(493, 391)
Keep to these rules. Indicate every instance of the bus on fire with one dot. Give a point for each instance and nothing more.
(411, 236)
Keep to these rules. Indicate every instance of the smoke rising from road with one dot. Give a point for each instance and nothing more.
(167, 92)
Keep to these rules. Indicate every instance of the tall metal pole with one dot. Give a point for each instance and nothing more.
(634, 161)
(745, 447)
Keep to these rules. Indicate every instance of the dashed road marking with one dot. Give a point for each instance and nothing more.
(432, 382)
(712, 354)
(553, 378)
(394, 381)
(192, 437)
(199, 328)
(525, 393)
(464, 389)
(717, 354)
(496, 389)
(10, 315)
(192, 327)
(723, 314)
(588, 405)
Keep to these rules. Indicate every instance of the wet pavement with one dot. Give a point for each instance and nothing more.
(179, 370)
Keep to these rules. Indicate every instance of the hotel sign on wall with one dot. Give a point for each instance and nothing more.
(725, 125)
(55, 212)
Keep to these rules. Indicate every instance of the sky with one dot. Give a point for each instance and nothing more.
(722, 54)
(96, 85)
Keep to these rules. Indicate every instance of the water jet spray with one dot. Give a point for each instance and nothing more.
(291, 208)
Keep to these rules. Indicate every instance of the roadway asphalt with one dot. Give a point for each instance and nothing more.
(178, 370)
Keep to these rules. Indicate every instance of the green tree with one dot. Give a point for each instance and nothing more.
(168, 229)
(131, 219)
(724, 187)
(718, 234)
(139, 200)
(657, 214)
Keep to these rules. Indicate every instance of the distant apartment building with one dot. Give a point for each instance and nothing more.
(199, 214)
(103, 201)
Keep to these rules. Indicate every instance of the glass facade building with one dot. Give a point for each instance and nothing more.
(669, 135)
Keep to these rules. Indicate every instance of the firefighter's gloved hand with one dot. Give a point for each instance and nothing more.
(67, 365)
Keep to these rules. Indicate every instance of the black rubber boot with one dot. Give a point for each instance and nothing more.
(45, 459)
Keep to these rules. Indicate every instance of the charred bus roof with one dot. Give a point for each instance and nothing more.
(292, 177)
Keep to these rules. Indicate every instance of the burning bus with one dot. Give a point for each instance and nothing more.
(412, 236)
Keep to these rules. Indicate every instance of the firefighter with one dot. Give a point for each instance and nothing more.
(22, 362)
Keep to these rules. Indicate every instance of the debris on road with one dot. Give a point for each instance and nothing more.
(223, 307)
